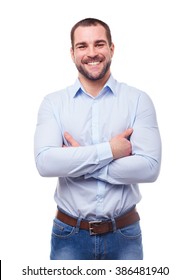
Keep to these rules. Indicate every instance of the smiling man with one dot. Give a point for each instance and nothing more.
(101, 139)
(92, 53)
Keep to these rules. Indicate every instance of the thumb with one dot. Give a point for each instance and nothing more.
(126, 133)
(71, 140)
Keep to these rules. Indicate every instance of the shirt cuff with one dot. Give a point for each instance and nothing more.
(104, 152)
(105, 156)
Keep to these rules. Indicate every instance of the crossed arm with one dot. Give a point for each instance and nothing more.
(125, 167)
(131, 157)
(117, 165)
(120, 145)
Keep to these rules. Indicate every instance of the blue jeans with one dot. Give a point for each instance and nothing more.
(72, 243)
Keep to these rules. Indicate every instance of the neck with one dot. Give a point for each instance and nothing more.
(93, 87)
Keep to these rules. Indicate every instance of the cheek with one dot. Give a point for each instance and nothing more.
(74, 56)
(74, 59)
(77, 58)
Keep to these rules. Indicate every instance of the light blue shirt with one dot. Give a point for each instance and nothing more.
(90, 183)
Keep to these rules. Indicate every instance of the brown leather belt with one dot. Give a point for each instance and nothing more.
(101, 227)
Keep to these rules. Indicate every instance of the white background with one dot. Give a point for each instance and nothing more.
(151, 53)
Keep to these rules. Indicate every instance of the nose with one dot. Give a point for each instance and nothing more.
(92, 51)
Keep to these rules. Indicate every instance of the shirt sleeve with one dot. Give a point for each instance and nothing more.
(143, 165)
(52, 160)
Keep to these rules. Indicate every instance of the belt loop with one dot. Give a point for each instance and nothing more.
(113, 224)
(78, 225)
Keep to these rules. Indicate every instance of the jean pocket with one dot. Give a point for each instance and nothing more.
(131, 232)
(62, 230)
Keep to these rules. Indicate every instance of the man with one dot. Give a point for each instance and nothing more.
(100, 138)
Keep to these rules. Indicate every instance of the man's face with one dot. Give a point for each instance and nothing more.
(92, 54)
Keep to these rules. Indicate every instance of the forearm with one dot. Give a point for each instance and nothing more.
(142, 166)
(55, 160)
(129, 170)
(72, 161)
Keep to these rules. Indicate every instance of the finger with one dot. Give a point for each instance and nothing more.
(126, 133)
(71, 140)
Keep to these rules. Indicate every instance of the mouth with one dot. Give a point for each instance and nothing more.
(93, 61)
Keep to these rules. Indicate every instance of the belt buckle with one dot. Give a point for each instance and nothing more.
(91, 226)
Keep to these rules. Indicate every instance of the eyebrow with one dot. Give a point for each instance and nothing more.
(100, 41)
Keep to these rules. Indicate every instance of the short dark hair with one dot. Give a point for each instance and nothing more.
(90, 22)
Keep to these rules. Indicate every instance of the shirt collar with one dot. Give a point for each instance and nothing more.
(77, 87)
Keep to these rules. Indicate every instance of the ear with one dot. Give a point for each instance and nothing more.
(112, 47)
(72, 54)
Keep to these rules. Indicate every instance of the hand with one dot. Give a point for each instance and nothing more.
(120, 145)
(70, 140)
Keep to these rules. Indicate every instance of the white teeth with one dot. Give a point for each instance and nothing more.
(94, 63)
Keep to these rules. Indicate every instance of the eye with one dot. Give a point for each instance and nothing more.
(100, 45)
(81, 47)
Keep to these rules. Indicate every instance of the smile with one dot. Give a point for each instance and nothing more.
(93, 63)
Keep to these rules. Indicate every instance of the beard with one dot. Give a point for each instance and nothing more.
(89, 75)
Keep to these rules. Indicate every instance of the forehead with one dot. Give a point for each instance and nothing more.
(89, 34)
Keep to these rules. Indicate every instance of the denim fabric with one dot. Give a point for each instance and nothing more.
(72, 243)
